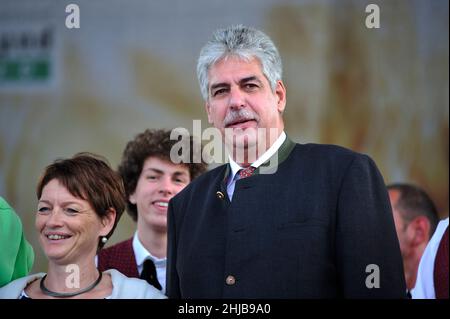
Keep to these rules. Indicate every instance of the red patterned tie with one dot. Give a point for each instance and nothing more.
(246, 172)
(441, 268)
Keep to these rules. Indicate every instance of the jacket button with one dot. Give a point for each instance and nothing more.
(220, 195)
(230, 280)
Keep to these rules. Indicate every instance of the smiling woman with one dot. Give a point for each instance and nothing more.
(80, 203)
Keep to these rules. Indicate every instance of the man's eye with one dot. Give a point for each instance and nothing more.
(219, 92)
(250, 86)
(150, 177)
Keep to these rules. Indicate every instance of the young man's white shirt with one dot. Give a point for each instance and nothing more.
(142, 254)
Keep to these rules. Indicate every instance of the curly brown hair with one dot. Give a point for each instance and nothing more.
(89, 177)
(151, 143)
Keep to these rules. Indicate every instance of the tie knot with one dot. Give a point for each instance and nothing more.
(246, 172)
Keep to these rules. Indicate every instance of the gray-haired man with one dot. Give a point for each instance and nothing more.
(281, 220)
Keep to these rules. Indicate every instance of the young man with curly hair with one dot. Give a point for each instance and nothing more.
(151, 179)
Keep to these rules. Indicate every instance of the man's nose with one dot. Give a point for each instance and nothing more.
(166, 186)
(237, 98)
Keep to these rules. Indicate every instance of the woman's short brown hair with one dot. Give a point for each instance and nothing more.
(89, 177)
(150, 143)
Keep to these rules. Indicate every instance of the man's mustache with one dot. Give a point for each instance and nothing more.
(238, 116)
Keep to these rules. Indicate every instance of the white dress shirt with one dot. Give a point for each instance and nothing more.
(234, 176)
(424, 288)
(142, 254)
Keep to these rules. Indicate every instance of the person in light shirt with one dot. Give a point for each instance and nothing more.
(281, 220)
(415, 218)
(427, 279)
(151, 179)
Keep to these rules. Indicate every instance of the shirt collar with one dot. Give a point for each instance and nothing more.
(235, 167)
(141, 253)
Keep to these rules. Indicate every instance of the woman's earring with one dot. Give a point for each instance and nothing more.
(104, 239)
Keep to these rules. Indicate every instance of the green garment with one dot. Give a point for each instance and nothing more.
(16, 254)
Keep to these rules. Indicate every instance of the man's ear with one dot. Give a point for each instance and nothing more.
(108, 221)
(280, 92)
(420, 228)
(208, 111)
